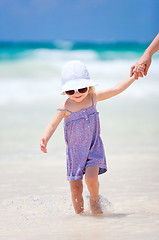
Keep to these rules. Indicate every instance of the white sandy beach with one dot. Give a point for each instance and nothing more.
(35, 200)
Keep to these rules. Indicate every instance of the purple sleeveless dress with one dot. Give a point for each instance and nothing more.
(84, 146)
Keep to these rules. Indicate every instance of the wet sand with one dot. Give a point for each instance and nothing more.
(35, 200)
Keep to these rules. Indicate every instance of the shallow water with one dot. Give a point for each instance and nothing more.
(35, 199)
(35, 203)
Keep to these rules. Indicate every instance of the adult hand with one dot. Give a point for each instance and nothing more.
(135, 69)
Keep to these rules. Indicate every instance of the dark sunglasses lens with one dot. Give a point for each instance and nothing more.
(83, 90)
(70, 92)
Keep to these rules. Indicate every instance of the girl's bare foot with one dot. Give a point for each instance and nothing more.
(95, 206)
(78, 205)
(77, 198)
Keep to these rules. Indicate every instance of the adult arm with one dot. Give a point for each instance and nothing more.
(145, 59)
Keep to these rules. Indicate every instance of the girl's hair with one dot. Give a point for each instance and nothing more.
(91, 89)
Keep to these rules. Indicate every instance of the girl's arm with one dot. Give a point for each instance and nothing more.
(50, 129)
(118, 88)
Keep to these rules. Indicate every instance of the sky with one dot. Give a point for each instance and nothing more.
(79, 20)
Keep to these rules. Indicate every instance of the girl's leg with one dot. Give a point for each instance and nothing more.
(77, 199)
(91, 178)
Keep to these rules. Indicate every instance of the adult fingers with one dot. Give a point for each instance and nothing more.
(132, 70)
(140, 74)
(146, 69)
(136, 75)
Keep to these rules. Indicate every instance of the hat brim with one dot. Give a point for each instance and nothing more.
(81, 83)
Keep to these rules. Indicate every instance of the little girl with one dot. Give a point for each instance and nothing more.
(84, 147)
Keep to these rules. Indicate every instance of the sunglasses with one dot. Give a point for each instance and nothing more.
(81, 90)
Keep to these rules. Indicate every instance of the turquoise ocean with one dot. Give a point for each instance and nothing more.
(26, 69)
(35, 199)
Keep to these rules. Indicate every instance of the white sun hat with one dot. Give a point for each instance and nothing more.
(75, 76)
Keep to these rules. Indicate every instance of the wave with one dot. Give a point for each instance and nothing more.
(47, 65)
(32, 71)
(104, 51)
(34, 82)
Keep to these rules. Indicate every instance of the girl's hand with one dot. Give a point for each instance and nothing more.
(43, 145)
(146, 60)
(141, 69)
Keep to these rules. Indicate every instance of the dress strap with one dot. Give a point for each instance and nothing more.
(61, 109)
(92, 100)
